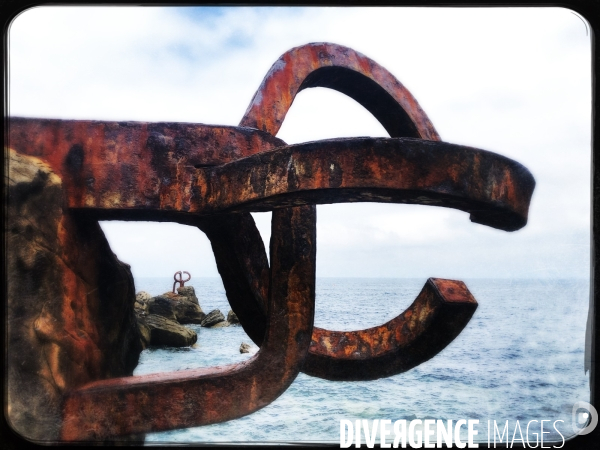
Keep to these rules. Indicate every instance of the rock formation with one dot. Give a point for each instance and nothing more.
(183, 307)
(160, 318)
(165, 332)
(189, 292)
(70, 315)
(187, 312)
(245, 348)
(232, 318)
(162, 305)
(213, 319)
(141, 301)
(145, 332)
(186, 306)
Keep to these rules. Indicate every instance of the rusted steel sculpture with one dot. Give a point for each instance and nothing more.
(212, 177)
(180, 280)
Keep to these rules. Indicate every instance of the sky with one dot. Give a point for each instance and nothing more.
(515, 81)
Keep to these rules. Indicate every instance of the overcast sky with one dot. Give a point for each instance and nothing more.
(512, 81)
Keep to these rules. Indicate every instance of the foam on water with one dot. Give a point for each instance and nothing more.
(520, 358)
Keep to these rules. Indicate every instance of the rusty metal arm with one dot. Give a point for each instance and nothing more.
(495, 190)
(439, 313)
(130, 176)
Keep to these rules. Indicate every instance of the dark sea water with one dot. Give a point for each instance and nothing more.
(521, 358)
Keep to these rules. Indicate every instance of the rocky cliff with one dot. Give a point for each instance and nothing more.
(70, 315)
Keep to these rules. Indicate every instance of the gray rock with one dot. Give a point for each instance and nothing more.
(245, 348)
(142, 297)
(140, 307)
(141, 301)
(69, 303)
(187, 311)
(162, 306)
(232, 318)
(176, 307)
(145, 333)
(165, 332)
(189, 292)
(213, 318)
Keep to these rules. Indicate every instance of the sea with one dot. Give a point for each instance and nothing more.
(519, 361)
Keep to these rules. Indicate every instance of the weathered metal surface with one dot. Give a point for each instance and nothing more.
(180, 280)
(203, 396)
(495, 190)
(212, 177)
(436, 317)
(70, 145)
(347, 71)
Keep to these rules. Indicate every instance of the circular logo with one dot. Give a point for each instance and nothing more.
(584, 413)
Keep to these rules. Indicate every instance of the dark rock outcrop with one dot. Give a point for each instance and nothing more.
(188, 308)
(232, 318)
(70, 306)
(160, 322)
(161, 305)
(145, 334)
(165, 332)
(213, 319)
(180, 308)
(187, 311)
(245, 348)
(189, 292)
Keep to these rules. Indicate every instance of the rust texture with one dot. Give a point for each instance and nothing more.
(212, 177)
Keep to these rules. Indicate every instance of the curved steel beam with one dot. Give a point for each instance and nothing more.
(495, 190)
(344, 70)
(438, 314)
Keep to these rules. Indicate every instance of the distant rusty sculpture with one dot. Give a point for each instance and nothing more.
(180, 280)
(212, 177)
